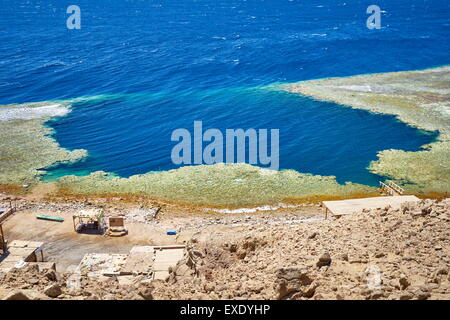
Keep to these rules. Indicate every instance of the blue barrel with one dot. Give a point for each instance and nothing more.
(171, 232)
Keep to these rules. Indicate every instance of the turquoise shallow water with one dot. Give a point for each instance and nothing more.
(170, 64)
(315, 137)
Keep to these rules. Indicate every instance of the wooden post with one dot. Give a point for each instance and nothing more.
(2, 238)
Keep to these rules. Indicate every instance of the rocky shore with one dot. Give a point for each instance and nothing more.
(399, 254)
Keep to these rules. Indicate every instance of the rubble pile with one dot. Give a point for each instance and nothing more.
(380, 254)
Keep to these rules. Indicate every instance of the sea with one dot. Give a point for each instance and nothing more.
(136, 70)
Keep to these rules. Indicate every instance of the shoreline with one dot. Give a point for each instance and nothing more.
(46, 193)
(217, 185)
(419, 98)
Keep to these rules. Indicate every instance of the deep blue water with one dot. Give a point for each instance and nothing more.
(172, 62)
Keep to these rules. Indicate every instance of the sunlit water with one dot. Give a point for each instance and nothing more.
(169, 63)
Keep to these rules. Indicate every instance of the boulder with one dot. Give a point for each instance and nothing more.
(292, 281)
(146, 293)
(53, 290)
(16, 295)
(51, 275)
(295, 273)
(324, 260)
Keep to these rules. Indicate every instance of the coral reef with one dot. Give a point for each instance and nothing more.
(419, 98)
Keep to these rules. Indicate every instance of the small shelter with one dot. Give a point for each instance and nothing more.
(88, 219)
(116, 227)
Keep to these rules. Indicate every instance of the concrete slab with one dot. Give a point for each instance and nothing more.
(350, 206)
(19, 252)
(143, 249)
(96, 264)
(139, 261)
(45, 265)
(25, 244)
(142, 260)
(164, 259)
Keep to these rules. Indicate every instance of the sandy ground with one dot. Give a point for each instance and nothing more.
(66, 247)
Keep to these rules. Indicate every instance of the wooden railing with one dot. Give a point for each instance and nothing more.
(391, 188)
(6, 214)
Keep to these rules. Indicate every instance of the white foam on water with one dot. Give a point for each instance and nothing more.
(252, 210)
(27, 112)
